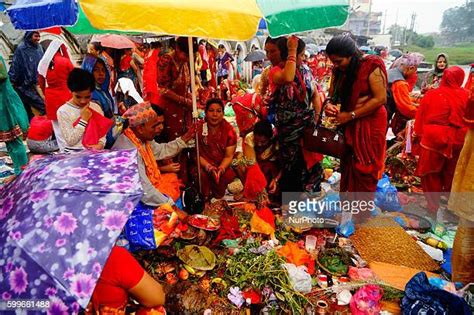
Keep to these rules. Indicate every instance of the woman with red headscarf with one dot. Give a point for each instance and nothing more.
(440, 125)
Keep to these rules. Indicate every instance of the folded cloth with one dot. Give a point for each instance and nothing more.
(97, 127)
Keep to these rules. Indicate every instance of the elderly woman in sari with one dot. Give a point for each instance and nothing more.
(440, 126)
(292, 91)
(217, 143)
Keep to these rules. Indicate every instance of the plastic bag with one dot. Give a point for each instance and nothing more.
(422, 297)
(386, 195)
(447, 260)
(300, 279)
(229, 111)
(139, 229)
(367, 300)
(327, 162)
(346, 229)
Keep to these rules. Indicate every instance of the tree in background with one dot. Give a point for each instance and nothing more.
(458, 23)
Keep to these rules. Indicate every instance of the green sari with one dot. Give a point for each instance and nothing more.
(13, 120)
(13, 117)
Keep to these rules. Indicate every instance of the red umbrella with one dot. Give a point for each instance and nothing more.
(116, 41)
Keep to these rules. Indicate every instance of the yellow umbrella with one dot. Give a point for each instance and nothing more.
(229, 20)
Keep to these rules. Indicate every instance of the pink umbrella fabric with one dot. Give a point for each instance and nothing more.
(116, 41)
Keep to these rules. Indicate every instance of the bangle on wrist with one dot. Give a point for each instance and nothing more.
(209, 167)
(327, 101)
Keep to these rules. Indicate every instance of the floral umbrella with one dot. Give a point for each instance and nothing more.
(58, 222)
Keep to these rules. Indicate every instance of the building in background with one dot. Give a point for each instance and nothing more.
(362, 21)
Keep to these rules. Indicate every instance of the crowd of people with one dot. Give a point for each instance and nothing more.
(142, 99)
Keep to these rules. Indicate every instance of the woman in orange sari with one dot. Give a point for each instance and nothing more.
(440, 126)
(360, 85)
(217, 144)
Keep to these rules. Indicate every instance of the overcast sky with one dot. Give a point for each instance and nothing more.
(429, 13)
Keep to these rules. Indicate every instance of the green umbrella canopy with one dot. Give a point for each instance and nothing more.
(288, 17)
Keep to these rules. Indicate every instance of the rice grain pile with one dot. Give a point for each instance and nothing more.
(383, 240)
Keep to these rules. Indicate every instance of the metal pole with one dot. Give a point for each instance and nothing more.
(368, 18)
(193, 94)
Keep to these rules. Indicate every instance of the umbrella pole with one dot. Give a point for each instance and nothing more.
(195, 112)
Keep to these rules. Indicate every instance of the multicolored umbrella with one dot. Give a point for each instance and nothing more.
(58, 222)
(221, 19)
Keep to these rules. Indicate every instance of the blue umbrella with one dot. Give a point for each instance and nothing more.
(58, 222)
(39, 14)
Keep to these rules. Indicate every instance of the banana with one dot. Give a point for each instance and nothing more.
(189, 269)
(219, 281)
(200, 273)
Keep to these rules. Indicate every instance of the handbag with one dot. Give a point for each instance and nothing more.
(322, 140)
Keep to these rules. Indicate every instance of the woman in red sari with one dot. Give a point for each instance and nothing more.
(440, 125)
(211, 53)
(217, 144)
(174, 87)
(360, 85)
(150, 87)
